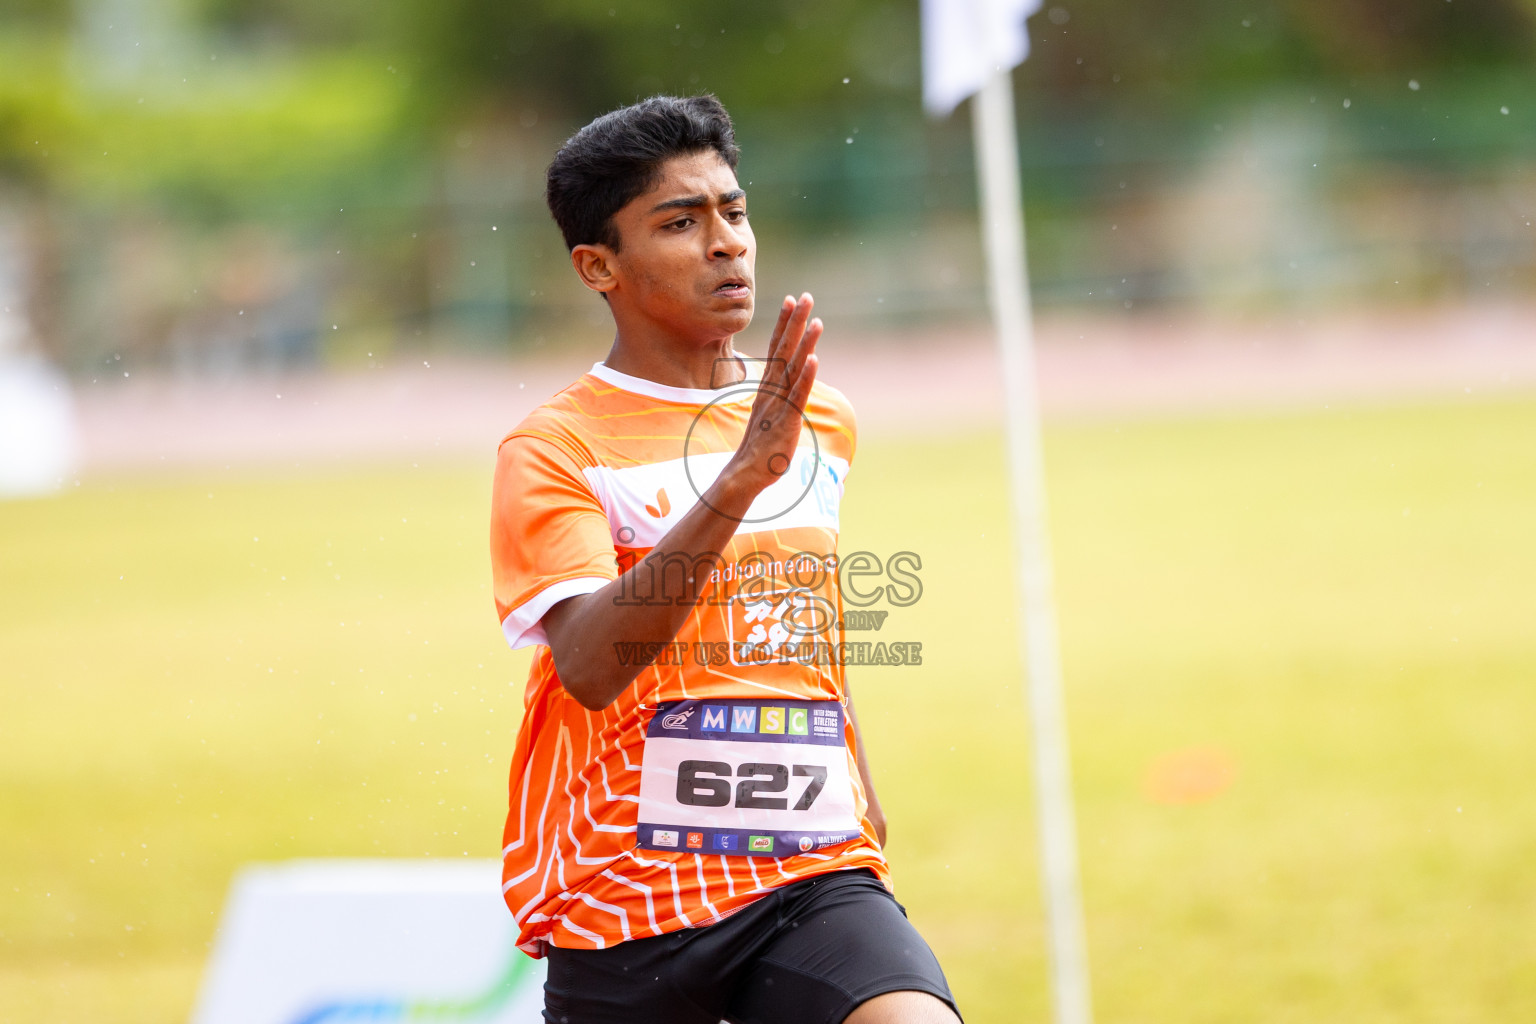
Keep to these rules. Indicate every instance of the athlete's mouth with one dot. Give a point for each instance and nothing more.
(733, 288)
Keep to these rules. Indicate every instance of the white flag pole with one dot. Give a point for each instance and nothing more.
(1002, 217)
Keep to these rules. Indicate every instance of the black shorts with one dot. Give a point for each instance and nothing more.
(808, 953)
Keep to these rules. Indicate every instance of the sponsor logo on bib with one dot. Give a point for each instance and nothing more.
(677, 719)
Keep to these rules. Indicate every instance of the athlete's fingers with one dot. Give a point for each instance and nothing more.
(794, 335)
(794, 332)
(776, 338)
(802, 389)
(801, 375)
(813, 332)
(778, 410)
(807, 347)
(794, 339)
(777, 404)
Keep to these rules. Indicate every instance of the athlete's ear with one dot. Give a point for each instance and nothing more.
(595, 265)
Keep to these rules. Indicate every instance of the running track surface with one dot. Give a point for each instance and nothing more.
(418, 407)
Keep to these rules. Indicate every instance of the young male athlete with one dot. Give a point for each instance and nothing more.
(692, 833)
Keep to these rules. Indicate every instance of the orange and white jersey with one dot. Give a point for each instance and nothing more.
(584, 488)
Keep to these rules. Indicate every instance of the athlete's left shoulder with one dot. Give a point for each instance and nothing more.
(832, 416)
(827, 401)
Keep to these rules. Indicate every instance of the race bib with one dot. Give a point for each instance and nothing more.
(746, 777)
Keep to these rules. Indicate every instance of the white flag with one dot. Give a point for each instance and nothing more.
(967, 41)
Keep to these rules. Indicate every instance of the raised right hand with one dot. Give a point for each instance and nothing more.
(767, 449)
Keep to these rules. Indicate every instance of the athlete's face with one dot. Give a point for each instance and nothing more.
(686, 253)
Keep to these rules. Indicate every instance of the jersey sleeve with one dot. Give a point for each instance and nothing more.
(549, 536)
(837, 425)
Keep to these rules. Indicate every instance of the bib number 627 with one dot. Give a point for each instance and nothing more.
(705, 784)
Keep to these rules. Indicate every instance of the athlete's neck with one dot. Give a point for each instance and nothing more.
(712, 365)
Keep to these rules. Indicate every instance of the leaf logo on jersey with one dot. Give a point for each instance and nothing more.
(663, 507)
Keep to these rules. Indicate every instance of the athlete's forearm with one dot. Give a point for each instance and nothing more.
(647, 604)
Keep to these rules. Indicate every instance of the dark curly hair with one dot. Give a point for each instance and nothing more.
(619, 156)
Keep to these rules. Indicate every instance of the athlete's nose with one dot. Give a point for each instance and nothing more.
(729, 242)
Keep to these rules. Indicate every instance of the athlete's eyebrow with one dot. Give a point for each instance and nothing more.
(693, 202)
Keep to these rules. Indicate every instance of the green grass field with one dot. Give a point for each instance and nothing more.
(204, 671)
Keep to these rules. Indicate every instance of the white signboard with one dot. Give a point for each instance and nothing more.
(38, 444)
(327, 942)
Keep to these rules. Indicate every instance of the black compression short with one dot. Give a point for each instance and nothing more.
(808, 953)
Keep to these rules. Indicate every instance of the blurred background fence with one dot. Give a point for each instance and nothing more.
(213, 186)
